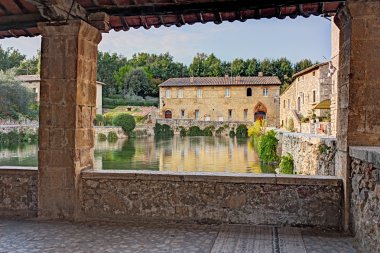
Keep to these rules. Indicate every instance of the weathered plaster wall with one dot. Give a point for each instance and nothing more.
(18, 191)
(365, 197)
(202, 197)
(312, 154)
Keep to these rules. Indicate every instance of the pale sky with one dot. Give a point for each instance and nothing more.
(295, 39)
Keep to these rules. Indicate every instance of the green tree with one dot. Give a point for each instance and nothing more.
(30, 66)
(136, 83)
(10, 58)
(108, 66)
(252, 67)
(301, 65)
(16, 100)
(238, 67)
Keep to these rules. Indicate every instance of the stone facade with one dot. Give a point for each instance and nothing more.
(310, 87)
(312, 154)
(214, 103)
(211, 198)
(18, 191)
(365, 197)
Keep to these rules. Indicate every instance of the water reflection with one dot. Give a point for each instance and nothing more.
(208, 154)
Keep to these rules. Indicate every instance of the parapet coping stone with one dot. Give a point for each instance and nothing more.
(12, 170)
(309, 136)
(217, 177)
(369, 154)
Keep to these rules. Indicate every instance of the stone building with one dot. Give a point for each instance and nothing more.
(221, 98)
(32, 82)
(310, 90)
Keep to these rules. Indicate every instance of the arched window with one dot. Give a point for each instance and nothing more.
(249, 92)
(168, 114)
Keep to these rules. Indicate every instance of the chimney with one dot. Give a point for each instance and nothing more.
(191, 79)
(260, 74)
(238, 79)
(225, 75)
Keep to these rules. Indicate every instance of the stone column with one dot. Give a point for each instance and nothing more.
(67, 110)
(358, 112)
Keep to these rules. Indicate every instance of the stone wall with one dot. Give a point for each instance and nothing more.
(18, 191)
(365, 197)
(175, 124)
(312, 154)
(316, 128)
(32, 129)
(212, 198)
(107, 129)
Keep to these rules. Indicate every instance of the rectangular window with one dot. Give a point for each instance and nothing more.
(182, 114)
(314, 96)
(180, 93)
(245, 114)
(284, 103)
(196, 114)
(199, 93)
(265, 92)
(167, 94)
(288, 103)
(230, 114)
(227, 92)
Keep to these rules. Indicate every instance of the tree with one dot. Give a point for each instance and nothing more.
(30, 66)
(238, 67)
(108, 65)
(252, 67)
(16, 100)
(301, 65)
(10, 58)
(136, 83)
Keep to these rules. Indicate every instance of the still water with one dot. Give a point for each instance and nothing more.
(195, 154)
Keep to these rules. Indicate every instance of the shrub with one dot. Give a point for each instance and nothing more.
(232, 132)
(194, 131)
(112, 137)
(208, 131)
(102, 137)
(182, 132)
(267, 147)
(163, 130)
(125, 121)
(219, 131)
(108, 117)
(287, 164)
(99, 120)
(258, 128)
(241, 131)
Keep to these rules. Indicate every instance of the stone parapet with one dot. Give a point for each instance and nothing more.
(212, 198)
(18, 191)
(365, 197)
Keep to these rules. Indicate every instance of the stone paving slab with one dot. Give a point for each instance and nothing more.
(58, 236)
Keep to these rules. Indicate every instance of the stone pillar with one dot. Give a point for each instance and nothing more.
(358, 112)
(67, 109)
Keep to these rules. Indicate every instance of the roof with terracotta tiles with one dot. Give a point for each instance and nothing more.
(222, 81)
(20, 17)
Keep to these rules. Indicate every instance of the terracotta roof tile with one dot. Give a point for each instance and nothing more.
(210, 81)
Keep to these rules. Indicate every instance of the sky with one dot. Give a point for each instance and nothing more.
(295, 39)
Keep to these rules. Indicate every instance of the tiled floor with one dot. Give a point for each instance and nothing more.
(55, 236)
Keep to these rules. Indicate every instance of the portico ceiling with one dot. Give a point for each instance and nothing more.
(20, 17)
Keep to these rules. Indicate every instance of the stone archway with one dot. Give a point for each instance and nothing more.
(260, 111)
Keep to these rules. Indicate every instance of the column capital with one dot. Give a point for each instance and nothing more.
(71, 28)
